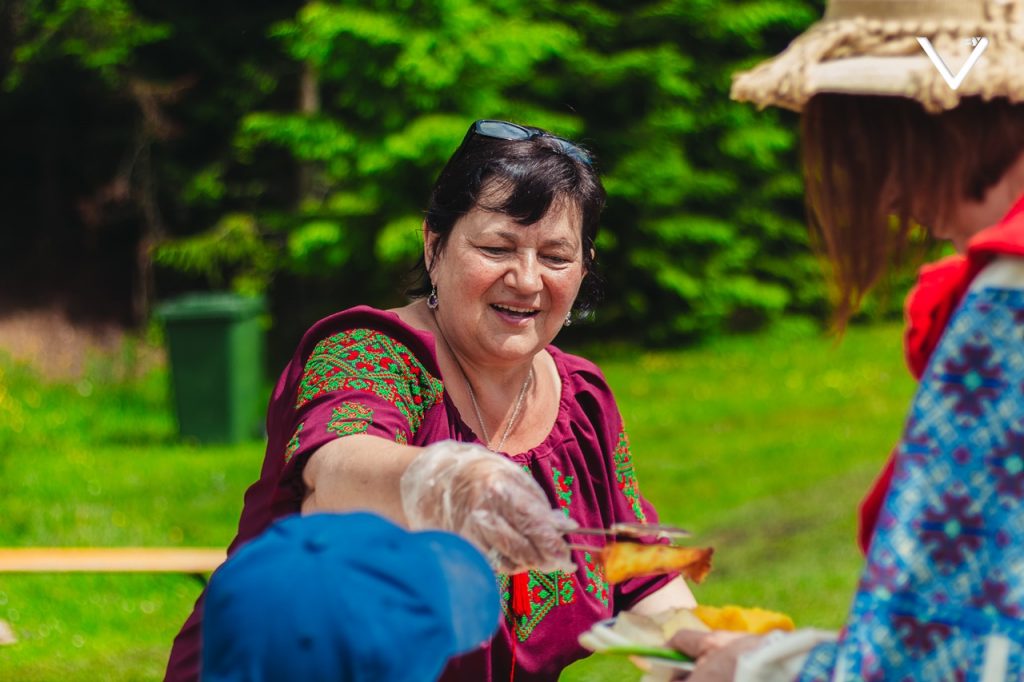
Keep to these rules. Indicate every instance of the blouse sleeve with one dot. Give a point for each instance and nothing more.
(358, 381)
(942, 594)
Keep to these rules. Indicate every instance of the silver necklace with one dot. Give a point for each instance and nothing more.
(476, 407)
(515, 410)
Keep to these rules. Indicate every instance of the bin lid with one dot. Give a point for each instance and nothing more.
(210, 305)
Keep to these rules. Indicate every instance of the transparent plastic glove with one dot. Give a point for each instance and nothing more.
(485, 498)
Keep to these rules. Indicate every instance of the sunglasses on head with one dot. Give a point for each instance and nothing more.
(503, 130)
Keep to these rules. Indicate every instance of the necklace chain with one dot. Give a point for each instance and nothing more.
(515, 410)
(476, 408)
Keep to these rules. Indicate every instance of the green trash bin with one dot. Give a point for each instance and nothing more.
(215, 344)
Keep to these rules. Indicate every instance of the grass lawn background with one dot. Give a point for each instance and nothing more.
(762, 445)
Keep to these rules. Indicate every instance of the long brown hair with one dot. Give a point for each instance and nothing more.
(876, 167)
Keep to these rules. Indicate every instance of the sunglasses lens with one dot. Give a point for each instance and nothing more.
(573, 151)
(502, 130)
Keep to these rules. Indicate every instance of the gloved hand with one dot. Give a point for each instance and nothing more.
(469, 490)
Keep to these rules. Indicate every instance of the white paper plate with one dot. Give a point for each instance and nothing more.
(613, 644)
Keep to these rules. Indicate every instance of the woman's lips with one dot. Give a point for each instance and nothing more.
(514, 314)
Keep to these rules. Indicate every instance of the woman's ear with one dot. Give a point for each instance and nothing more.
(429, 242)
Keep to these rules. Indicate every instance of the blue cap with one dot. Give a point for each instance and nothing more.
(346, 598)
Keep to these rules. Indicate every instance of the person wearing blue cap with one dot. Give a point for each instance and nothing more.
(346, 598)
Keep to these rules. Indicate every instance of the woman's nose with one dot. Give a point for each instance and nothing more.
(524, 276)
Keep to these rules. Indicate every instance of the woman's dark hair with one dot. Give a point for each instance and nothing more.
(524, 179)
(876, 167)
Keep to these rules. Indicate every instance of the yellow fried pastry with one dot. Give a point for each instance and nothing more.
(624, 560)
(743, 619)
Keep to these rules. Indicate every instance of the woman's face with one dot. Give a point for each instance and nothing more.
(967, 218)
(505, 289)
(963, 218)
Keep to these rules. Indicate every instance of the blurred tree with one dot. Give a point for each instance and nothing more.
(704, 228)
(704, 225)
(66, 61)
(111, 111)
(308, 135)
(386, 91)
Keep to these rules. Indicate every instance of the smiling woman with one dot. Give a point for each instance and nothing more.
(456, 412)
(506, 288)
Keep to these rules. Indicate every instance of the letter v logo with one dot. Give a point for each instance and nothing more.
(947, 75)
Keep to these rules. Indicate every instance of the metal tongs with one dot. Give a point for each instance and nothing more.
(657, 531)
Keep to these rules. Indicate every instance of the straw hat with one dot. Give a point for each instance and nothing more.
(871, 47)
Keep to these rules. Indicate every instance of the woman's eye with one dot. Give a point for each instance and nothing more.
(557, 260)
(495, 250)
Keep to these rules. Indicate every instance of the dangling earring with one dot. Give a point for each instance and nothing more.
(432, 298)
(568, 320)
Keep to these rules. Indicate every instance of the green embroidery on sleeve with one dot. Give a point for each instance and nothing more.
(563, 489)
(350, 418)
(597, 586)
(371, 362)
(293, 444)
(547, 592)
(626, 478)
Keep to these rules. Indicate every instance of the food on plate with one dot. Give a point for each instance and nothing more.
(644, 639)
(743, 619)
(629, 634)
(656, 629)
(638, 630)
(628, 631)
(674, 620)
(624, 560)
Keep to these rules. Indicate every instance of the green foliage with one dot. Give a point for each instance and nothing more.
(233, 246)
(705, 196)
(398, 87)
(101, 35)
(704, 216)
(318, 245)
(342, 112)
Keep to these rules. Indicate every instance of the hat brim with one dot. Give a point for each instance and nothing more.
(473, 599)
(892, 76)
(848, 57)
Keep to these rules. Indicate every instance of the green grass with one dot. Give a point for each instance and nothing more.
(762, 445)
(96, 464)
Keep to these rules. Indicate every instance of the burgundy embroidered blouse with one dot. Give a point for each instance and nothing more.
(365, 371)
